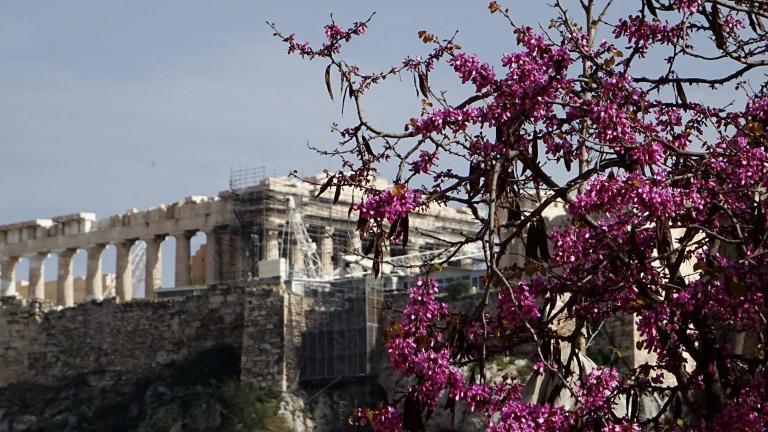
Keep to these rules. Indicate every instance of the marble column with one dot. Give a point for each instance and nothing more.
(65, 283)
(183, 256)
(8, 277)
(413, 247)
(93, 276)
(272, 246)
(37, 276)
(326, 251)
(239, 257)
(123, 286)
(211, 257)
(297, 259)
(355, 246)
(153, 278)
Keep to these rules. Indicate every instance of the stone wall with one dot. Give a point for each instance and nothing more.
(19, 332)
(39, 344)
(270, 350)
(616, 343)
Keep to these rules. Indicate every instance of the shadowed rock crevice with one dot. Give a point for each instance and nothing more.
(202, 393)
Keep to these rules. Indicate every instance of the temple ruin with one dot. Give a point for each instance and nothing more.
(245, 228)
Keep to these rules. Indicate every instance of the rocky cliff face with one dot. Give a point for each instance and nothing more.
(198, 364)
(200, 394)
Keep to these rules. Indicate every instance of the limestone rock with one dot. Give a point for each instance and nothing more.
(24, 423)
(291, 408)
(204, 416)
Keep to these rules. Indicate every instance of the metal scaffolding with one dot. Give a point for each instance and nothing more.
(342, 331)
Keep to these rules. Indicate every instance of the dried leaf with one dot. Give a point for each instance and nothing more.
(362, 224)
(344, 99)
(450, 405)
(474, 180)
(367, 146)
(412, 421)
(514, 214)
(368, 247)
(328, 81)
(404, 228)
(536, 246)
(500, 135)
(393, 228)
(325, 186)
(337, 194)
(663, 236)
(700, 265)
(502, 182)
(532, 242)
(716, 27)
(378, 255)
(543, 243)
(530, 268)
(651, 8)
(424, 84)
(681, 92)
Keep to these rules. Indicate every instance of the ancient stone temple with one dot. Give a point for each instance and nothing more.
(246, 230)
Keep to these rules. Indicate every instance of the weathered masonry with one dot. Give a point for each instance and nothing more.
(64, 235)
(244, 228)
(43, 345)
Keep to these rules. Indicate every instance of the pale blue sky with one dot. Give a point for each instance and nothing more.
(112, 105)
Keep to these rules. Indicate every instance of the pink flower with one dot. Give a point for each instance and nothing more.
(390, 204)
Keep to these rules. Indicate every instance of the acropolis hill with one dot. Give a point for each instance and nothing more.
(282, 283)
(279, 281)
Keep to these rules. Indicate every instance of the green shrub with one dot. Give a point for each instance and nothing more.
(458, 289)
(244, 408)
(254, 410)
(168, 418)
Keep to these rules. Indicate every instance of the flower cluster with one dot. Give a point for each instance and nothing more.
(335, 36)
(689, 6)
(633, 194)
(423, 164)
(469, 68)
(390, 204)
(516, 415)
(518, 303)
(643, 33)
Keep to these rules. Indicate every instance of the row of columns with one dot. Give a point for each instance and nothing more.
(123, 271)
(271, 250)
(325, 249)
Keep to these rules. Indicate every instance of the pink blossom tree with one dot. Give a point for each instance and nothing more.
(666, 197)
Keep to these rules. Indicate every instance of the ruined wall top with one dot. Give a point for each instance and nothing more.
(78, 230)
(42, 344)
(199, 213)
